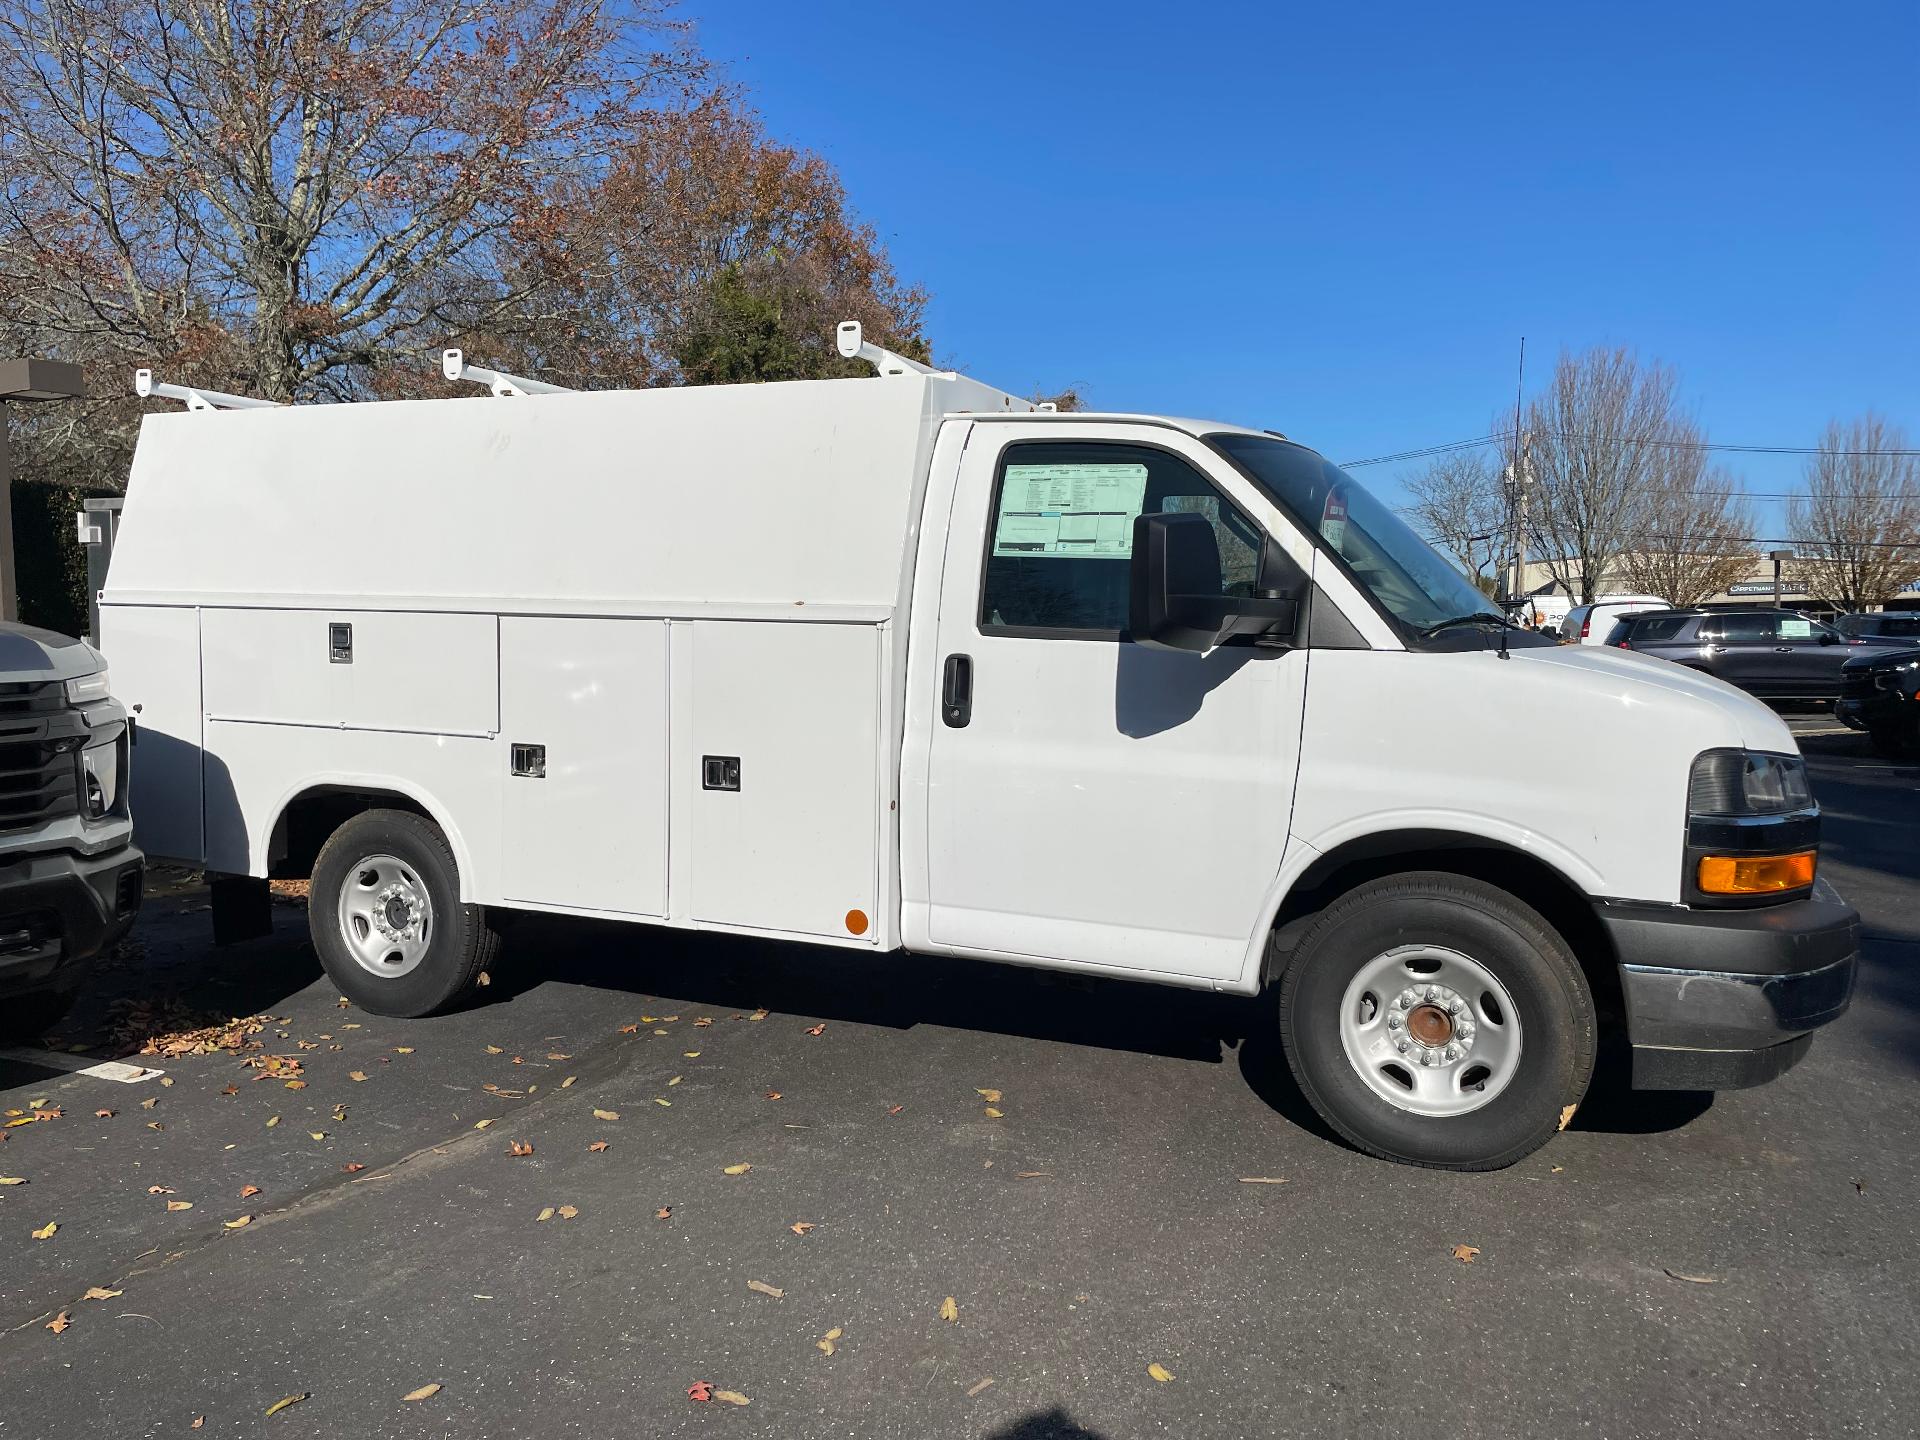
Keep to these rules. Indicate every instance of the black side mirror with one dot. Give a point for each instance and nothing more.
(1827, 637)
(1174, 600)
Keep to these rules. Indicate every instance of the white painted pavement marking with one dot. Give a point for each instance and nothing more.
(76, 1065)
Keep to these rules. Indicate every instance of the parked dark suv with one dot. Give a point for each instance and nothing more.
(1881, 625)
(1880, 694)
(1774, 654)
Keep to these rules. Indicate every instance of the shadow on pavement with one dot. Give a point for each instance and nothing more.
(1053, 1424)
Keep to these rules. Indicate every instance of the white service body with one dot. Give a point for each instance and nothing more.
(777, 574)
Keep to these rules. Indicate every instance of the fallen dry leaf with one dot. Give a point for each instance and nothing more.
(674, 1081)
(353, 1167)
(495, 1050)
(230, 1091)
(702, 1023)
(740, 1169)
(155, 1125)
(1465, 1253)
(520, 1147)
(23, 1120)
(1033, 1174)
(758, 1015)
(596, 1147)
(272, 1120)
(356, 1075)
(1160, 1372)
(1694, 1279)
(179, 1204)
(950, 1309)
(629, 1029)
(993, 1114)
(279, 1405)
(296, 1084)
(425, 1392)
(105, 1114)
(159, 1190)
(732, 1397)
(773, 1094)
(895, 1110)
(819, 1029)
(566, 1083)
(1566, 1114)
(546, 1213)
(150, 1102)
(800, 1227)
(247, 1192)
(765, 1289)
(316, 1134)
(12, 1180)
(978, 1386)
(239, 1222)
(100, 1292)
(665, 1212)
(667, 1104)
(60, 1322)
(992, 1097)
(403, 1049)
(701, 1390)
(198, 1421)
(556, 1055)
(482, 1124)
(606, 1114)
(825, 1344)
(567, 1212)
(1263, 1179)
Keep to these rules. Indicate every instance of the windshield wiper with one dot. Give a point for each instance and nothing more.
(1479, 617)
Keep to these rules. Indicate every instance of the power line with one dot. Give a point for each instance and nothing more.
(1502, 436)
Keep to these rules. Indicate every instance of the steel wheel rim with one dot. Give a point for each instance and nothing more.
(1430, 1031)
(385, 914)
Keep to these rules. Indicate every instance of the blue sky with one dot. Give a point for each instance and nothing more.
(1339, 220)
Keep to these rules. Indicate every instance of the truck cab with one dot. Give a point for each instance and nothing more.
(906, 664)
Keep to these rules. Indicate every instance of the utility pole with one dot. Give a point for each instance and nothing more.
(1777, 556)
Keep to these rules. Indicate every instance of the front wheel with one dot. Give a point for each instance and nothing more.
(1435, 1020)
(386, 916)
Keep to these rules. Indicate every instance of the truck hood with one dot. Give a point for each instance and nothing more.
(1622, 677)
(29, 654)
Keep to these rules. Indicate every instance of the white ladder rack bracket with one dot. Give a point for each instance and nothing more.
(145, 386)
(854, 346)
(453, 364)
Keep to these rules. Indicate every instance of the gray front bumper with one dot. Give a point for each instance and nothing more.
(1721, 999)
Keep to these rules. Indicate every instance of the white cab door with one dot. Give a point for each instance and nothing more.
(1099, 802)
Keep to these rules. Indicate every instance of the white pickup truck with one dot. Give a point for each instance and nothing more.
(906, 664)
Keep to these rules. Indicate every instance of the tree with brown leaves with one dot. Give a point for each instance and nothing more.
(1857, 529)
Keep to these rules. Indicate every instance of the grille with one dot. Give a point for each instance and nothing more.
(37, 778)
(1856, 684)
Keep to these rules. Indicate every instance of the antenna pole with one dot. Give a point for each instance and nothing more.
(1519, 480)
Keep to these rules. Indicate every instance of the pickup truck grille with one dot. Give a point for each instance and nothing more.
(37, 772)
(1856, 685)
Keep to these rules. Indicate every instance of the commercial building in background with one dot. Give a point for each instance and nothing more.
(1753, 593)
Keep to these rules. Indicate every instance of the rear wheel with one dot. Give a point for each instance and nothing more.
(1435, 1020)
(387, 920)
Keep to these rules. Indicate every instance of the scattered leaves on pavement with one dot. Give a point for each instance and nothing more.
(763, 1288)
(950, 1309)
(1160, 1372)
(46, 1231)
(179, 1204)
(1566, 1114)
(316, 1134)
(150, 1102)
(353, 1167)
(896, 1109)
(403, 1049)
(239, 1222)
(567, 1083)
(665, 1212)
(279, 1405)
(701, 1390)
(60, 1322)
(978, 1386)
(159, 1190)
(272, 1120)
(992, 1097)
(739, 1169)
(12, 1180)
(596, 1147)
(198, 1421)
(674, 1081)
(801, 1227)
(247, 1192)
(546, 1213)
(1694, 1279)
(356, 1076)
(482, 1124)
(495, 1050)
(105, 1114)
(819, 1029)
(606, 1114)
(664, 1104)
(519, 1148)
(773, 1094)
(994, 1114)
(425, 1392)
(567, 1212)
(732, 1397)
(758, 1015)
(1465, 1253)
(825, 1344)
(100, 1292)
(1263, 1179)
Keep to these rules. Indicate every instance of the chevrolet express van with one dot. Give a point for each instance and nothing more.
(906, 664)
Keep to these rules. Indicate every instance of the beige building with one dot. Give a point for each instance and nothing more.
(1753, 593)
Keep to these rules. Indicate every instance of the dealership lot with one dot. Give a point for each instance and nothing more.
(1145, 1189)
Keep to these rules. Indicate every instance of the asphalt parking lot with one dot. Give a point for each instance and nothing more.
(769, 1169)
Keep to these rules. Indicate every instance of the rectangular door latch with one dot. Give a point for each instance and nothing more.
(530, 761)
(719, 772)
(340, 643)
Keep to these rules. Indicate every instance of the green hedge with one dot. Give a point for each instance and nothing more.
(50, 563)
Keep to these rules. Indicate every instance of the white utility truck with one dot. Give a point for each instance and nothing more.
(908, 665)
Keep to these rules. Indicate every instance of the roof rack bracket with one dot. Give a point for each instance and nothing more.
(195, 398)
(853, 345)
(453, 364)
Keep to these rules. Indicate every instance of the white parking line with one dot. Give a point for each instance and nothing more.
(76, 1065)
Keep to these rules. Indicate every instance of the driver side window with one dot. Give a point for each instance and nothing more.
(1061, 534)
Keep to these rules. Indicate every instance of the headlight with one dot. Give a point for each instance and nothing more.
(87, 688)
(1748, 782)
(100, 776)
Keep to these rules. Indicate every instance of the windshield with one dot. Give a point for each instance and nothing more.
(1401, 571)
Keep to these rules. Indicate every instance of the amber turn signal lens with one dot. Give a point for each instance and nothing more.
(1755, 874)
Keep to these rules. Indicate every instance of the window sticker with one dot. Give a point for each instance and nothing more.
(1333, 521)
(1069, 510)
(1796, 629)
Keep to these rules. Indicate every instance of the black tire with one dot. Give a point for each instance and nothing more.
(1512, 942)
(25, 1019)
(461, 942)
